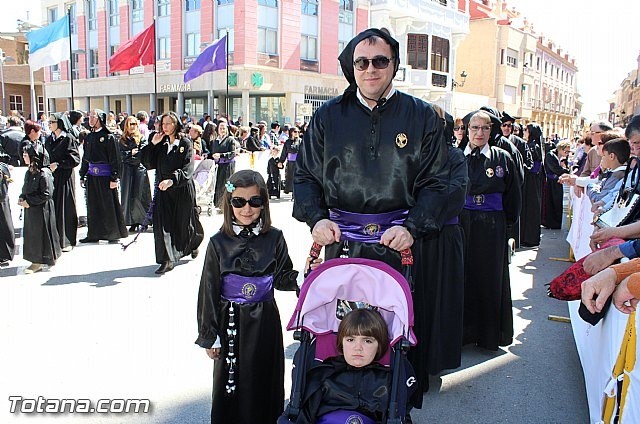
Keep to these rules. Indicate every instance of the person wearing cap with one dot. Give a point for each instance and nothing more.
(367, 183)
(99, 175)
(64, 157)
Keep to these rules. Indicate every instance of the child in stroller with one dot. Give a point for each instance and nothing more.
(333, 382)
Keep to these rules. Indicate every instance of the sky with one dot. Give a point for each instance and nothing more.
(599, 34)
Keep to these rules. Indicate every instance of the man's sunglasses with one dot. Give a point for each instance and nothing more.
(254, 202)
(379, 62)
(461, 127)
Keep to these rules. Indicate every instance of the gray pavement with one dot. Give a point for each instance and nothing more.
(100, 324)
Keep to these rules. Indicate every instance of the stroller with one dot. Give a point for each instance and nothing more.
(204, 178)
(330, 292)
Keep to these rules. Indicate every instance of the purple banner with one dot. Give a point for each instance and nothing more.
(291, 157)
(366, 227)
(99, 169)
(343, 416)
(240, 289)
(536, 167)
(484, 202)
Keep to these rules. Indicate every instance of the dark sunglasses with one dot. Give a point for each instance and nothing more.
(379, 62)
(254, 202)
(505, 125)
(461, 127)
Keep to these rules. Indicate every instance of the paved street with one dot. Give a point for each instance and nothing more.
(101, 325)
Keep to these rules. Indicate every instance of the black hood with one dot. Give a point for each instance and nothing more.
(102, 116)
(63, 121)
(346, 57)
(506, 118)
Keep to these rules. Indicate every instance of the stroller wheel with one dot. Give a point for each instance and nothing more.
(209, 211)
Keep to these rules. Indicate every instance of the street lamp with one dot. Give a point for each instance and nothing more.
(464, 76)
(4, 58)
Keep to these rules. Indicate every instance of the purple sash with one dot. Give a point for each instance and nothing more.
(452, 221)
(484, 202)
(366, 227)
(99, 169)
(291, 157)
(551, 176)
(224, 161)
(239, 289)
(536, 166)
(343, 416)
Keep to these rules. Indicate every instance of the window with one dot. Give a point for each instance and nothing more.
(55, 72)
(267, 40)
(309, 48)
(114, 14)
(164, 48)
(222, 32)
(223, 2)
(272, 3)
(417, 50)
(345, 14)
(15, 103)
(191, 5)
(76, 73)
(512, 58)
(440, 54)
(509, 94)
(92, 15)
(52, 14)
(74, 19)
(163, 7)
(40, 104)
(537, 64)
(193, 44)
(310, 7)
(136, 11)
(93, 63)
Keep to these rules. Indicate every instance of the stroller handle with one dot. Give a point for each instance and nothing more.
(406, 256)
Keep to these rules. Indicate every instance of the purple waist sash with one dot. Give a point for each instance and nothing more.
(240, 289)
(99, 169)
(453, 221)
(291, 157)
(224, 161)
(366, 227)
(484, 202)
(551, 176)
(343, 416)
(536, 167)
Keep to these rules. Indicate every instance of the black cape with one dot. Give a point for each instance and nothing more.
(259, 376)
(134, 182)
(553, 191)
(273, 177)
(7, 233)
(290, 146)
(531, 215)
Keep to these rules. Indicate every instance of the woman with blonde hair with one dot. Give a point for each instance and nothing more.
(134, 181)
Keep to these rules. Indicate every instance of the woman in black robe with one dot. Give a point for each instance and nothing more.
(289, 154)
(494, 200)
(176, 228)
(134, 180)
(223, 151)
(555, 164)
(7, 233)
(41, 242)
(532, 195)
(62, 147)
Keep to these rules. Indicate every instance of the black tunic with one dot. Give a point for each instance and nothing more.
(488, 319)
(104, 215)
(63, 150)
(273, 177)
(176, 228)
(7, 233)
(553, 191)
(227, 148)
(259, 376)
(291, 146)
(134, 182)
(41, 242)
(531, 215)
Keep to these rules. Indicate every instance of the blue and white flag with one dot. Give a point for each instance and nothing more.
(212, 58)
(49, 45)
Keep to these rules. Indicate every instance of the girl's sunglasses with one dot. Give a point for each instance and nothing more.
(254, 202)
(379, 62)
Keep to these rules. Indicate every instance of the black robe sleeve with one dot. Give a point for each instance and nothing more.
(458, 183)
(552, 164)
(209, 299)
(44, 192)
(184, 174)
(149, 153)
(512, 196)
(285, 277)
(71, 156)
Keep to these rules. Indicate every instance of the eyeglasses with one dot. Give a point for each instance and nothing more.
(478, 128)
(505, 125)
(296, 131)
(379, 62)
(461, 127)
(133, 124)
(254, 202)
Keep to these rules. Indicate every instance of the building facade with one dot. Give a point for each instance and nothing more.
(626, 101)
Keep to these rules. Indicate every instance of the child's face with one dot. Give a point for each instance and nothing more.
(247, 214)
(359, 351)
(607, 160)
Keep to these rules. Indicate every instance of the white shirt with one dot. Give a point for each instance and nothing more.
(486, 150)
(364, 101)
(172, 145)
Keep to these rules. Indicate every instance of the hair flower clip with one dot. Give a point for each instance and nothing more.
(230, 187)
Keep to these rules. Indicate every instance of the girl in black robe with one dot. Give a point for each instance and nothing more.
(494, 200)
(7, 233)
(224, 153)
(238, 318)
(290, 154)
(176, 228)
(41, 242)
(532, 195)
(555, 164)
(64, 157)
(273, 173)
(134, 180)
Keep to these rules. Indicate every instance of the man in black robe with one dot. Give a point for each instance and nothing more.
(99, 176)
(11, 141)
(373, 155)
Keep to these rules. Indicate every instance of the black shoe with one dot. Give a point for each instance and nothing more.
(194, 253)
(4, 262)
(165, 267)
(88, 240)
(133, 228)
(114, 241)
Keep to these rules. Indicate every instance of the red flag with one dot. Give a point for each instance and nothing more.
(140, 50)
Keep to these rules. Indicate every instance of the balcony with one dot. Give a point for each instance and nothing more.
(444, 12)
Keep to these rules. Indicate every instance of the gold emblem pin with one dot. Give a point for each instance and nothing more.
(401, 140)
(489, 172)
(182, 149)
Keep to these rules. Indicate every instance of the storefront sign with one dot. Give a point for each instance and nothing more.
(323, 91)
(169, 88)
